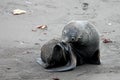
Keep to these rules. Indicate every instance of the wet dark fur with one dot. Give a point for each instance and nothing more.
(57, 56)
(52, 54)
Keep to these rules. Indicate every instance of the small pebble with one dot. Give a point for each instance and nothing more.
(34, 30)
(109, 24)
(8, 68)
(37, 43)
(18, 12)
(45, 33)
(85, 6)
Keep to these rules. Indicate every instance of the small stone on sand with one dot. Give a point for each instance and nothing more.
(18, 12)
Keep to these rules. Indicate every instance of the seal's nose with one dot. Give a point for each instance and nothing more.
(73, 39)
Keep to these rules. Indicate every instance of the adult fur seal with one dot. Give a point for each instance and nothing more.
(84, 40)
(57, 56)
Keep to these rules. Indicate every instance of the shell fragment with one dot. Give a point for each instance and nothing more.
(18, 12)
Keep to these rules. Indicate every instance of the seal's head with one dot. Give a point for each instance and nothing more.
(70, 33)
(74, 31)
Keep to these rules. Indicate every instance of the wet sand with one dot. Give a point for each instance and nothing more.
(20, 46)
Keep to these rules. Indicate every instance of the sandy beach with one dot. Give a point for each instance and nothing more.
(20, 41)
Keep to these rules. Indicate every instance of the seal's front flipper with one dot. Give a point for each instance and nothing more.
(95, 59)
(39, 61)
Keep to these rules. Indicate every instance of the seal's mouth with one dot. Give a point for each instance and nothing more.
(71, 40)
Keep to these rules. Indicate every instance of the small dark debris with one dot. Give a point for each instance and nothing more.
(68, 13)
(111, 71)
(76, 7)
(28, 52)
(34, 30)
(8, 68)
(113, 31)
(107, 41)
(85, 6)
(37, 43)
(45, 33)
(56, 78)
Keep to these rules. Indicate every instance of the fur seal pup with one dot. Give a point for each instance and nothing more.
(84, 40)
(57, 56)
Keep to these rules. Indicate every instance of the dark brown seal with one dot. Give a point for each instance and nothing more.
(84, 40)
(57, 56)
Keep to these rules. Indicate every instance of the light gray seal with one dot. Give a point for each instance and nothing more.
(84, 40)
(57, 56)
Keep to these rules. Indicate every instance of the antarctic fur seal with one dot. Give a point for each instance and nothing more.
(57, 56)
(84, 40)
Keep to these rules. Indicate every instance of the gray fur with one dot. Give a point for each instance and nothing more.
(84, 40)
(81, 45)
